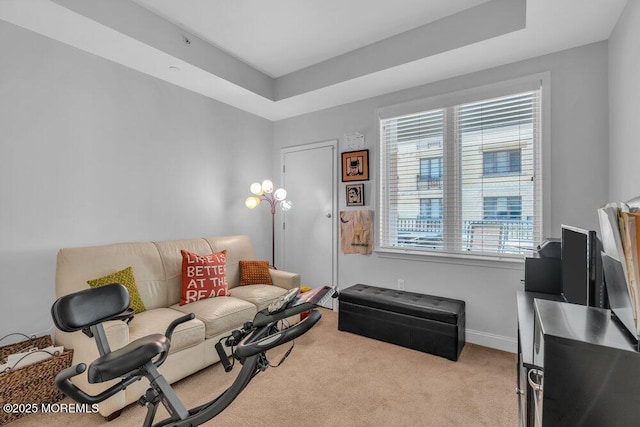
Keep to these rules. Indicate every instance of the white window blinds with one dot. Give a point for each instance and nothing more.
(463, 179)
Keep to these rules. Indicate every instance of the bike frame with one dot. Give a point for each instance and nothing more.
(111, 302)
(251, 366)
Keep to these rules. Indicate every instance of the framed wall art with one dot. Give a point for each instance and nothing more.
(355, 194)
(355, 166)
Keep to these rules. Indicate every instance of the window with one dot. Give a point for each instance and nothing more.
(430, 173)
(431, 209)
(503, 208)
(431, 169)
(487, 166)
(501, 162)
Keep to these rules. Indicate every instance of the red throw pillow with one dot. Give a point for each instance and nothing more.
(203, 276)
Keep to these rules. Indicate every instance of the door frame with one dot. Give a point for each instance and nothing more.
(333, 144)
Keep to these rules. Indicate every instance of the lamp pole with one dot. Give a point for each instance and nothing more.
(273, 236)
(273, 202)
(264, 192)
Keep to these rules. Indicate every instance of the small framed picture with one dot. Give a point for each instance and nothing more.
(355, 166)
(355, 194)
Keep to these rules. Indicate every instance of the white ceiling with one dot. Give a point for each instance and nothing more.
(282, 58)
(279, 37)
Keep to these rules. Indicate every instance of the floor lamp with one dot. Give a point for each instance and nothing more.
(264, 192)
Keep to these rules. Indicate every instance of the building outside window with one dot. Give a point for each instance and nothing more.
(486, 156)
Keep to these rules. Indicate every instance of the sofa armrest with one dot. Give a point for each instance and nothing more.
(285, 279)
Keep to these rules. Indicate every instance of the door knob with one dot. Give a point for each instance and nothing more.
(328, 215)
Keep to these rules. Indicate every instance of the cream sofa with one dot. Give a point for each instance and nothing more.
(157, 269)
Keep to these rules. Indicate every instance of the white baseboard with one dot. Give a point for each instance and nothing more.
(485, 339)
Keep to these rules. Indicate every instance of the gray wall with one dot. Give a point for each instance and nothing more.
(624, 102)
(94, 153)
(578, 179)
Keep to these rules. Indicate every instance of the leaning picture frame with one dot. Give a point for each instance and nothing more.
(355, 166)
(355, 194)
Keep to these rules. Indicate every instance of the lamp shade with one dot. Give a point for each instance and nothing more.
(267, 186)
(285, 205)
(280, 194)
(256, 189)
(252, 202)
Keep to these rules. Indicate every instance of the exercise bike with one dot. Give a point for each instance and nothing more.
(86, 310)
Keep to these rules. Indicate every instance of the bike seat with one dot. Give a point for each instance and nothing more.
(127, 359)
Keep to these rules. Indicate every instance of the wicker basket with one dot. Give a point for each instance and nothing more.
(32, 384)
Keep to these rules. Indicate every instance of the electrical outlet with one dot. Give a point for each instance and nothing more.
(401, 284)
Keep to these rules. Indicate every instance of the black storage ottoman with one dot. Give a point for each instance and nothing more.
(421, 322)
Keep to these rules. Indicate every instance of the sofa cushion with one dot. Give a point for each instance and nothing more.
(127, 279)
(203, 276)
(254, 272)
(237, 247)
(259, 295)
(187, 334)
(219, 314)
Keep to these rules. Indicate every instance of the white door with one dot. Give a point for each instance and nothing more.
(310, 227)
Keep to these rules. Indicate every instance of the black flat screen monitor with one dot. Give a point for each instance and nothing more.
(579, 255)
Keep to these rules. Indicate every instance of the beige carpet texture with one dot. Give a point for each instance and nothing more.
(335, 378)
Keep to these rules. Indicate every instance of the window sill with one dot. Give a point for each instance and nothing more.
(508, 263)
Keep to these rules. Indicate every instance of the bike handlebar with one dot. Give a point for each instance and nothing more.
(63, 382)
(256, 343)
(169, 332)
(172, 326)
(78, 395)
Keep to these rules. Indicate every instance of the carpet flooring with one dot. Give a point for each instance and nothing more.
(335, 378)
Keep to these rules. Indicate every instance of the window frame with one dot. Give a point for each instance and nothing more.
(539, 81)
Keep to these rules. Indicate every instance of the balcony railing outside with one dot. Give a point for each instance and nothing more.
(427, 233)
(429, 183)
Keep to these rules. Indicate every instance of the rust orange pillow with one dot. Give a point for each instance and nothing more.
(203, 276)
(254, 272)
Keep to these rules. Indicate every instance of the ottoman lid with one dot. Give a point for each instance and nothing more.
(445, 310)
